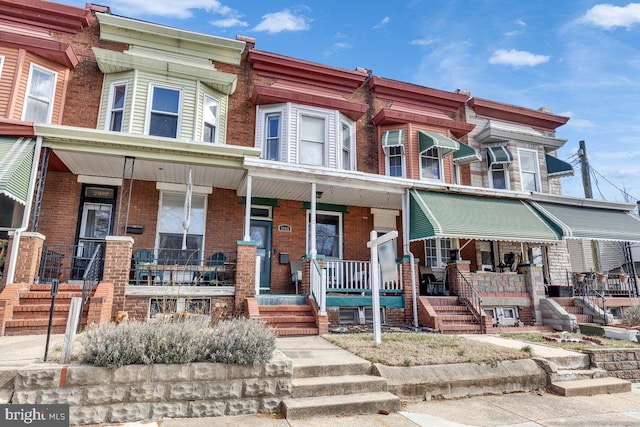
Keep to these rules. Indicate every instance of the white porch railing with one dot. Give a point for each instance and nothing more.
(355, 276)
(319, 286)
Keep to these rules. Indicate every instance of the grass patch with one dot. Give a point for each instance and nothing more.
(417, 349)
(538, 338)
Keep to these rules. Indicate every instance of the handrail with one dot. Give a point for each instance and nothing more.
(468, 296)
(590, 296)
(319, 286)
(92, 275)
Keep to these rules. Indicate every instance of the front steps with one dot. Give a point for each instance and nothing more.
(568, 303)
(455, 318)
(289, 315)
(589, 387)
(336, 389)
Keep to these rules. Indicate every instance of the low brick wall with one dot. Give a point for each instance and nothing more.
(136, 392)
(621, 363)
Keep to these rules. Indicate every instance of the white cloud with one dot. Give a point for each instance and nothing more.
(228, 23)
(282, 21)
(336, 47)
(422, 42)
(521, 23)
(382, 23)
(575, 122)
(517, 58)
(177, 9)
(609, 16)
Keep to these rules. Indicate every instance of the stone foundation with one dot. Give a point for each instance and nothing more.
(623, 363)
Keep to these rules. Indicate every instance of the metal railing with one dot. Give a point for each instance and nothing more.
(168, 267)
(612, 284)
(467, 295)
(68, 263)
(592, 297)
(319, 286)
(92, 275)
(355, 276)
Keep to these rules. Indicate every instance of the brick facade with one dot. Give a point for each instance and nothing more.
(29, 254)
(117, 266)
(245, 276)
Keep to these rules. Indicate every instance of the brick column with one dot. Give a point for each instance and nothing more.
(534, 279)
(407, 289)
(305, 287)
(463, 267)
(117, 267)
(245, 275)
(29, 255)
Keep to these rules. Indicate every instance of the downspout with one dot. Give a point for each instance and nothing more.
(13, 260)
(407, 251)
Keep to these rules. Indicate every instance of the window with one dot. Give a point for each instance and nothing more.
(529, 170)
(346, 146)
(395, 161)
(179, 305)
(170, 231)
(272, 136)
(499, 176)
(430, 164)
(39, 100)
(209, 119)
(312, 140)
(116, 106)
(437, 252)
(328, 234)
(165, 112)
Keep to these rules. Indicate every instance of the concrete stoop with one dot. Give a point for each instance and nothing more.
(337, 389)
(589, 387)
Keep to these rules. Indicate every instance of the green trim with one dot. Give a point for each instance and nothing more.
(364, 301)
(326, 207)
(465, 155)
(264, 201)
(427, 139)
(393, 138)
(557, 168)
(307, 256)
(246, 243)
(16, 158)
(499, 155)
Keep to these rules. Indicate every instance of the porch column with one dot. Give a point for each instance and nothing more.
(312, 239)
(245, 275)
(464, 267)
(534, 279)
(117, 267)
(29, 245)
(247, 212)
(408, 286)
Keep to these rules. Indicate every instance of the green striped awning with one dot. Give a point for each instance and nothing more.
(449, 215)
(465, 154)
(499, 155)
(428, 139)
(393, 138)
(557, 168)
(579, 222)
(16, 157)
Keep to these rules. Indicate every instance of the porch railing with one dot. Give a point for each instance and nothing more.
(167, 267)
(92, 275)
(593, 298)
(67, 263)
(612, 284)
(355, 276)
(319, 286)
(467, 295)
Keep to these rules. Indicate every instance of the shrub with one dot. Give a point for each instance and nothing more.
(631, 316)
(188, 340)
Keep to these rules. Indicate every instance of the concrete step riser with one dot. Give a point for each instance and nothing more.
(364, 403)
(360, 384)
(590, 387)
(580, 361)
(308, 371)
(578, 374)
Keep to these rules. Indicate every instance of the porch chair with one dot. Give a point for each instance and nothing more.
(429, 283)
(216, 260)
(142, 259)
(296, 273)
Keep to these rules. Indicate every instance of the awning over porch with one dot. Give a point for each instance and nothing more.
(16, 158)
(446, 215)
(591, 223)
(427, 139)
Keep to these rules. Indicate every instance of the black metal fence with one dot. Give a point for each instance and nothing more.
(66, 263)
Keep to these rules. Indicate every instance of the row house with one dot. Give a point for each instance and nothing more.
(191, 172)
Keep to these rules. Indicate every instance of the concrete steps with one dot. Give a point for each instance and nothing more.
(359, 403)
(336, 385)
(289, 319)
(576, 374)
(569, 306)
(590, 387)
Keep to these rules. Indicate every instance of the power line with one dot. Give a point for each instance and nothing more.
(624, 192)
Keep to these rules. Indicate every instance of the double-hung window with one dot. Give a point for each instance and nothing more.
(312, 140)
(499, 176)
(171, 231)
(437, 252)
(395, 161)
(39, 100)
(210, 119)
(328, 234)
(272, 136)
(165, 112)
(116, 106)
(431, 164)
(346, 146)
(529, 170)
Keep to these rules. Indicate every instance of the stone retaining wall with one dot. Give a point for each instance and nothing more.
(136, 392)
(621, 363)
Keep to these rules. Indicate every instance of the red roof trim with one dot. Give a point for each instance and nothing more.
(394, 90)
(58, 52)
(392, 117)
(49, 15)
(514, 114)
(16, 128)
(263, 95)
(283, 67)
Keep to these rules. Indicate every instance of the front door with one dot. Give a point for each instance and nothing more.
(95, 225)
(261, 234)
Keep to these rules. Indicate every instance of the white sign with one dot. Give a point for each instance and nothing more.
(387, 258)
(374, 244)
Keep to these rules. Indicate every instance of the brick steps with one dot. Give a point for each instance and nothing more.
(289, 319)
(24, 312)
(455, 318)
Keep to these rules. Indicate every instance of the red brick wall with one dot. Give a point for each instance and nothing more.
(59, 208)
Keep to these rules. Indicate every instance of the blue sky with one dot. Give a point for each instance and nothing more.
(581, 58)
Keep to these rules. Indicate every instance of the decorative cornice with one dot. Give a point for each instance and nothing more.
(514, 114)
(16, 128)
(43, 14)
(296, 70)
(388, 116)
(58, 52)
(394, 90)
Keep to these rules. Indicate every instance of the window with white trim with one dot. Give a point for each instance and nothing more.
(164, 112)
(210, 109)
(117, 97)
(328, 234)
(395, 161)
(437, 252)
(170, 229)
(272, 131)
(529, 169)
(312, 140)
(499, 176)
(431, 164)
(38, 104)
(346, 145)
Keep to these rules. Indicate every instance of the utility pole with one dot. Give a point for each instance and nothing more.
(586, 183)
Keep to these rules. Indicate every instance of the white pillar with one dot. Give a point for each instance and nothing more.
(247, 212)
(312, 220)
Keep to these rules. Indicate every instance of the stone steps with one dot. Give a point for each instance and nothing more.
(335, 385)
(589, 387)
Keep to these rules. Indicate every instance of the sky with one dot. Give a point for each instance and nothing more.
(580, 58)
